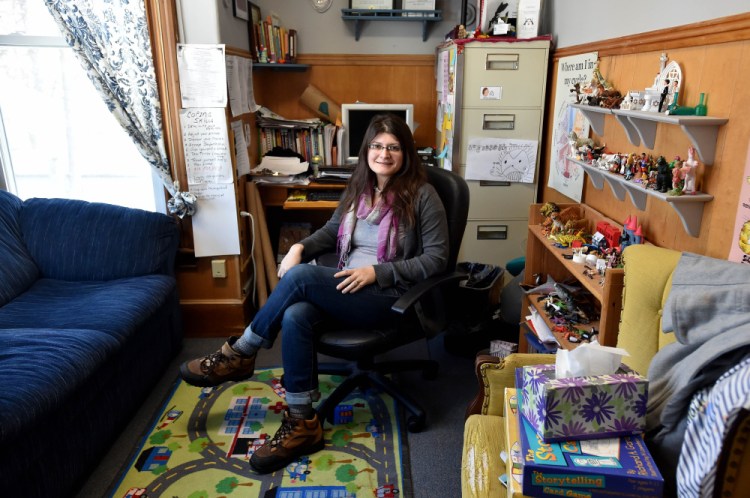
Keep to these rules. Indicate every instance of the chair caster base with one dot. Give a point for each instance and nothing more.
(415, 423)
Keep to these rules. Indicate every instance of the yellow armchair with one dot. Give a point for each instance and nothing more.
(647, 281)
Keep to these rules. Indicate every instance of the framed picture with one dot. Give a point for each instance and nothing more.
(252, 30)
(254, 13)
(240, 9)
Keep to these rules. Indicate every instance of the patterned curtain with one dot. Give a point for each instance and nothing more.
(111, 39)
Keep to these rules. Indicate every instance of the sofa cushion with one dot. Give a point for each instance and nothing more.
(17, 270)
(116, 307)
(77, 240)
(42, 367)
(648, 272)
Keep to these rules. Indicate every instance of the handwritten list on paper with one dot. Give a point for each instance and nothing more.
(206, 144)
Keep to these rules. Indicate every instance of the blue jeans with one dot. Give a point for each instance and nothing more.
(305, 296)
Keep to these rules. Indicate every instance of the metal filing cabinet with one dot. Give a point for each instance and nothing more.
(498, 211)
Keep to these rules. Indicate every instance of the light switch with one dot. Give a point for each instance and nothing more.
(219, 268)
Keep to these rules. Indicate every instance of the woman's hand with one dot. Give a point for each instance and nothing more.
(292, 258)
(355, 279)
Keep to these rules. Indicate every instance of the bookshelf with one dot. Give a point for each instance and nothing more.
(286, 66)
(544, 258)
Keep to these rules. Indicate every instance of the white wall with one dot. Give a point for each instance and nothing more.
(572, 22)
(584, 21)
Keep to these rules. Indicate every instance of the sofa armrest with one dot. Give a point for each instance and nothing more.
(481, 466)
(81, 241)
(494, 375)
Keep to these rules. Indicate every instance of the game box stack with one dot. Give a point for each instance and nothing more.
(603, 455)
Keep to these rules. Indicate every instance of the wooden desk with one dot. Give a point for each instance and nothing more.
(279, 210)
(275, 195)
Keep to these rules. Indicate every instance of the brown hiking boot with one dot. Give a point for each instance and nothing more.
(295, 438)
(224, 365)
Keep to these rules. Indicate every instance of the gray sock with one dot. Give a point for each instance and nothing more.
(304, 412)
(248, 343)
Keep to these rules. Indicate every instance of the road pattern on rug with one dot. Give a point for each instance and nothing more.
(200, 445)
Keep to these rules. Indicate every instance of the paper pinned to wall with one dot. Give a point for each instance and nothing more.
(206, 144)
(215, 222)
(242, 157)
(240, 85)
(203, 75)
(501, 159)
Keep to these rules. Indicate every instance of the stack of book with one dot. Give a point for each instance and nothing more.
(303, 136)
(274, 43)
(307, 137)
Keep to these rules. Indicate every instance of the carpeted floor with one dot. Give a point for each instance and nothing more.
(434, 454)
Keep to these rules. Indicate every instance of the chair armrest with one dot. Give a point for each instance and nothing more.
(494, 375)
(418, 291)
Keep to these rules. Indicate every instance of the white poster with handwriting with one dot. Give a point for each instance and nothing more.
(206, 143)
(500, 159)
(215, 222)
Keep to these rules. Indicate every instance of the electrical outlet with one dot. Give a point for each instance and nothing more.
(219, 268)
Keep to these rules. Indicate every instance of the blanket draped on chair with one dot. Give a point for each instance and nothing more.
(708, 310)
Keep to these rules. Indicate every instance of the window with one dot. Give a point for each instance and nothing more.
(57, 138)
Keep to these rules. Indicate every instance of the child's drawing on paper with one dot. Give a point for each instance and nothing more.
(499, 159)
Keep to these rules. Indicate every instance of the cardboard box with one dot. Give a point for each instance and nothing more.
(583, 407)
(596, 468)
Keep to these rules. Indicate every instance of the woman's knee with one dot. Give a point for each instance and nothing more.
(299, 318)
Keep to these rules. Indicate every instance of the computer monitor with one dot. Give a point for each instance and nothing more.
(355, 119)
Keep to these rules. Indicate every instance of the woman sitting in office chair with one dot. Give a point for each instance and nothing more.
(389, 231)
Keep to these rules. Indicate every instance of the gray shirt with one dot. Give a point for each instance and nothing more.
(423, 249)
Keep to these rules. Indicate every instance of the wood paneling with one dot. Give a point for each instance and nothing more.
(714, 57)
(350, 78)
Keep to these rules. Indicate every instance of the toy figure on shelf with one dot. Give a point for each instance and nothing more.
(644, 166)
(632, 233)
(677, 178)
(663, 175)
(689, 172)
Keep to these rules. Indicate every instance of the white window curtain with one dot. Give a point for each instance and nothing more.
(111, 39)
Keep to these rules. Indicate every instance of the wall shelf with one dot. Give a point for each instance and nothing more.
(689, 207)
(640, 126)
(283, 66)
(360, 16)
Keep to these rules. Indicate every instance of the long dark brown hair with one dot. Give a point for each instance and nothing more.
(404, 185)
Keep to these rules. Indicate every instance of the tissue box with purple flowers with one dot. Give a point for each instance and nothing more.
(596, 406)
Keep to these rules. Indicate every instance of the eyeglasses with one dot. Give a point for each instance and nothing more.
(380, 147)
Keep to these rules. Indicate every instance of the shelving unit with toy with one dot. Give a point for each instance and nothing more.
(552, 257)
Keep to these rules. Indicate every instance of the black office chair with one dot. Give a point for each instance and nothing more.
(424, 313)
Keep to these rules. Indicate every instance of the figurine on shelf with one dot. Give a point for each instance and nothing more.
(644, 166)
(663, 175)
(676, 180)
(689, 172)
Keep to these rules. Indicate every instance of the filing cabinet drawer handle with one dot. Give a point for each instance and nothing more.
(501, 62)
(498, 121)
(492, 232)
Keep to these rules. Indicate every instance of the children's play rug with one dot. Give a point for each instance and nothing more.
(201, 441)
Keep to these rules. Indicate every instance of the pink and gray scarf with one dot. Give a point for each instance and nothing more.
(380, 214)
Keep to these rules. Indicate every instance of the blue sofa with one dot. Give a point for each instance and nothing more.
(89, 321)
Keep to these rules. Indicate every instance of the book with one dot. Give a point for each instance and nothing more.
(514, 462)
(595, 468)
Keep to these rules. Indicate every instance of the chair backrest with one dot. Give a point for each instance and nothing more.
(454, 192)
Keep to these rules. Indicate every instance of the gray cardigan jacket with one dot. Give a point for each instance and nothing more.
(424, 247)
